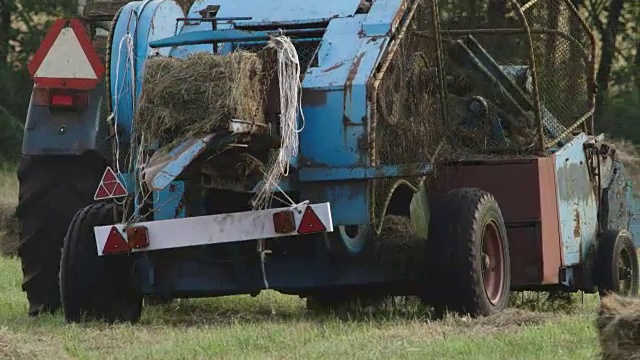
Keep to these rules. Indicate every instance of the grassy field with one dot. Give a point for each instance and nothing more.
(275, 326)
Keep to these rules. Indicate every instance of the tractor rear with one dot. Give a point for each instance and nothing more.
(432, 155)
(66, 148)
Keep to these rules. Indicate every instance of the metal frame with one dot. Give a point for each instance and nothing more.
(588, 126)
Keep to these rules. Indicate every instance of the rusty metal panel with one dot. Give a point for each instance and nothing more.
(525, 190)
(511, 183)
(525, 251)
(577, 204)
(549, 221)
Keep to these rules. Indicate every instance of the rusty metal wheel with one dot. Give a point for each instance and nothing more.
(616, 269)
(492, 262)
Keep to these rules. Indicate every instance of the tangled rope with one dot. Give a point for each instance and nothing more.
(290, 106)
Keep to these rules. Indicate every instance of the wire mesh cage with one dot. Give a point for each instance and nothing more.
(469, 79)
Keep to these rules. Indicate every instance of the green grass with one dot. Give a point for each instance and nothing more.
(275, 326)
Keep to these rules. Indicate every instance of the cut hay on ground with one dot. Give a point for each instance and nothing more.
(619, 328)
(8, 230)
(196, 96)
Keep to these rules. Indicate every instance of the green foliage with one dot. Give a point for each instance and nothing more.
(11, 130)
(622, 119)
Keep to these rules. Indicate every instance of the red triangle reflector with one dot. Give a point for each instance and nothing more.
(101, 193)
(109, 176)
(110, 186)
(115, 243)
(119, 190)
(310, 222)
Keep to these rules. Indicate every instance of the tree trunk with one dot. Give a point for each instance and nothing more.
(608, 52)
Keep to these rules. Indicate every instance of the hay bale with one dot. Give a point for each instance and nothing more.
(619, 328)
(9, 230)
(196, 96)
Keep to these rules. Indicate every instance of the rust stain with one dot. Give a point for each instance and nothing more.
(577, 233)
(350, 77)
(179, 208)
(398, 17)
(331, 68)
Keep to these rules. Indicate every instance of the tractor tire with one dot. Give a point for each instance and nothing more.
(96, 287)
(468, 245)
(616, 267)
(52, 190)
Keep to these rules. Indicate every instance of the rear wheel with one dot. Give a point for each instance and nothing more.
(92, 286)
(468, 244)
(52, 190)
(617, 264)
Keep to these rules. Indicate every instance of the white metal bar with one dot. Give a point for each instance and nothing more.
(215, 229)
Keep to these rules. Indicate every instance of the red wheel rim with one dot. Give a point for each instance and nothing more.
(492, 262)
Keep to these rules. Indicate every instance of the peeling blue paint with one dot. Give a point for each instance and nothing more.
(577, 205)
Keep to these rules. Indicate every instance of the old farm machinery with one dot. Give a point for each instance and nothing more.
(435, 153)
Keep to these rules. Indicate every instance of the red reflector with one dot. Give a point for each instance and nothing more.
(310, 222)
(110, 186)
(115, 244)
(284, 222)
(62, 100)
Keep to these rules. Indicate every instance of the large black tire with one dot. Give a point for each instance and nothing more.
(96, 287)
(462, 222)
(616, 268)
(52, 190)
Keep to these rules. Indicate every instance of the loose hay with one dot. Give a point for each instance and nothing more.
(619, 328)
(196, 96)
(9, 230)
(398, 246)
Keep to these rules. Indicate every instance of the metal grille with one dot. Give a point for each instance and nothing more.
(406, 125)
(545, 40)
(490, 110)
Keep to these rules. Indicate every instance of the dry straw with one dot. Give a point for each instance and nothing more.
(196, 96)
(619, 328)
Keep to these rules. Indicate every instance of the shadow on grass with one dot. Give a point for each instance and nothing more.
(275, 308)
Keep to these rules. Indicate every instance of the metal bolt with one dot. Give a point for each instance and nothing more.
(62, 130)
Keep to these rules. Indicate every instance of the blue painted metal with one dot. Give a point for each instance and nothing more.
(281, 11)
(139, 23)
(335, 105)
(577, 205)
(169, 203)
(176, 160)
(227, 35)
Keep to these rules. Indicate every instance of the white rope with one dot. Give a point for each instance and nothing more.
(128, 40)
(290, 107)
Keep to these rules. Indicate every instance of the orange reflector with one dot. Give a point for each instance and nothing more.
(138, 237)
(310, 222)
(283, 222)
(115, 244)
